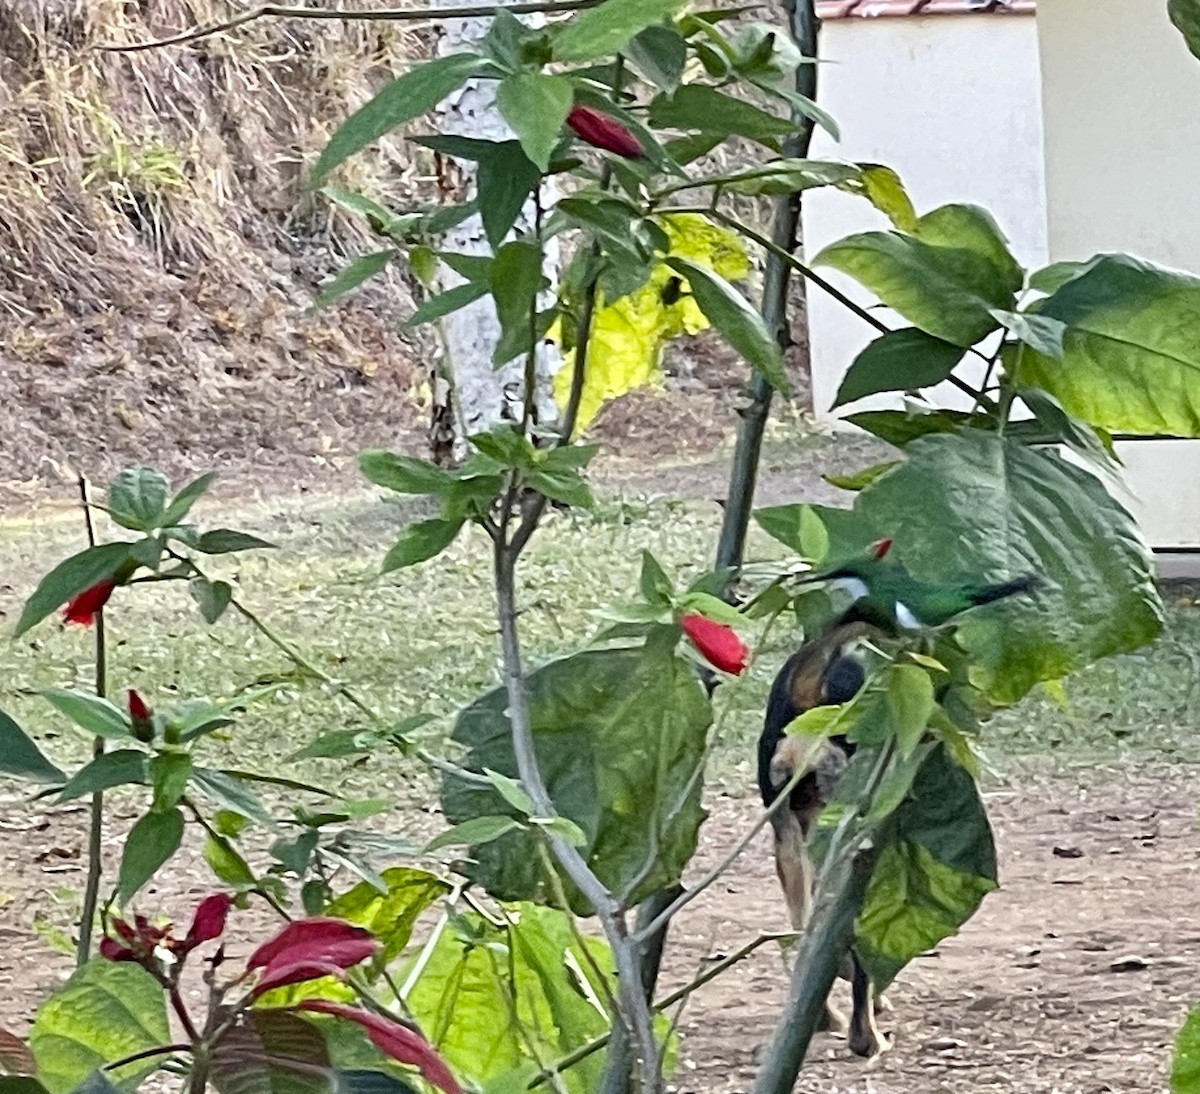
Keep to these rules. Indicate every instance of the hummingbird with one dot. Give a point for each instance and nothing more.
(885, 593)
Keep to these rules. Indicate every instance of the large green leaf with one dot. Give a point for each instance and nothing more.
(419, 542)
(620, 738)
(516, 278)
(1185, 14)
(1185, 1071)
(21, 757)
(490, 996)
(93, 713)
(413, 94)
(935, 867)
(137, 498)
(696, 106)
(1131, 353)
(735, 319)
(390, 916)
(901, 360)
(123, 767)
(70, 577)
(151, 841)
(103, 1013)
(535, 105)
(608, 27)
(974, 506)
(945, 277)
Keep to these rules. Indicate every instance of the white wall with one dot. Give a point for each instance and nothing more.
(1122, 120)
(953, 103)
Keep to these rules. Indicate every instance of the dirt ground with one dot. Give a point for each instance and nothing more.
(1073, 979)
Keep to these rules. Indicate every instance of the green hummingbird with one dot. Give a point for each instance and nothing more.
(885, 593)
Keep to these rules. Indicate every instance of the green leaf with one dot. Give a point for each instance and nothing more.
(735, 319)
(229, 793)
(564, 486)
(413, 94)
(382, 220)
(1185, 14)
(123, 767)
(512, 792)
(103, 1013)
(438, 307)
(882, 187)
(404, 474)
(150, 843)
(516, 278)
(799, 527)
(69, 578)
(606, 28)
(901, 360)
(97, 716)
(535, 105)
(1131, 355)
(656, 587)
(20, 756)
(899, 427)
(20, 1084)
(619, 736)
(473, 833)
(712, 607)
(225, 541)
(213, 597)
(169, 774)
(420, 542)
(505, 179)
(1053, 277)
(182, 503)
(788, 176)
(695, 106)
(1002, 509)
(391, 915)
(137, 498)
(910, 705)
(945, 278)
(932, 873)
(226, 861)
(859, 480)
(1185, 1071)
(1039, 332)
(361, 269)
(659, 53)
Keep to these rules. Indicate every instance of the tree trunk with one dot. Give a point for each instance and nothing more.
(480, 394)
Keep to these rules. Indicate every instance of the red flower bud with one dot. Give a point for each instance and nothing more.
(603, 132)
(881, 547)
(138, 710)
(83, 608)
(719, 644)
(112, 950)
(209, 921)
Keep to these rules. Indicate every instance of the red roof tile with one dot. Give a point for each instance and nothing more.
(873, 9)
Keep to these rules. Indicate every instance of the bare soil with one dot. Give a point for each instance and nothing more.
(1073, 979)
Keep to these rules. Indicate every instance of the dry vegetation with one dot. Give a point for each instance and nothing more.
(158, 249)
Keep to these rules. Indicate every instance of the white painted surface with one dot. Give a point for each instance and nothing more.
(1121, 99)
(953, 103)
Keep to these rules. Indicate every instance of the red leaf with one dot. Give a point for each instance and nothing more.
(395, 1040)
(719, 644)
(281, 973)
(601, 131)
(311, 939)
(112, 950)
(83, 608)
(209, 921)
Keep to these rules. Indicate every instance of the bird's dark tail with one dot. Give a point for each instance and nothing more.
(1018, 586)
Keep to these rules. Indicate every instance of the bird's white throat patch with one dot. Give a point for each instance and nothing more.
(855, 587)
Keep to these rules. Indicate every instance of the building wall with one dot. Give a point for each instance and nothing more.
(953, 103)
(1121, 99)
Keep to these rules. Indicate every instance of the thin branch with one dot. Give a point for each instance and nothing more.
(95, 865)
(388, 15)
(146, 1054)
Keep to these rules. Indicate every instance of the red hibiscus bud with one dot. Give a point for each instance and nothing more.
(209, 921)
(394, 1039)
(601, 131)
(719, 643)
(112, 950)
(83, 608)
(881, 547)
(138, 710)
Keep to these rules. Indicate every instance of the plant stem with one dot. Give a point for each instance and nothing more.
(185, 1019)
(95, 865)
(635, 1011)
(820, 956)
(146, 1054)
(802, 21)
(391, 15)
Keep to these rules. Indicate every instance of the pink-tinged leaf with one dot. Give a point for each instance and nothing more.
(307, 938)
(393, 1039)
(281, 973)
(112, 950)
(209, 921)
(15, 1057)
